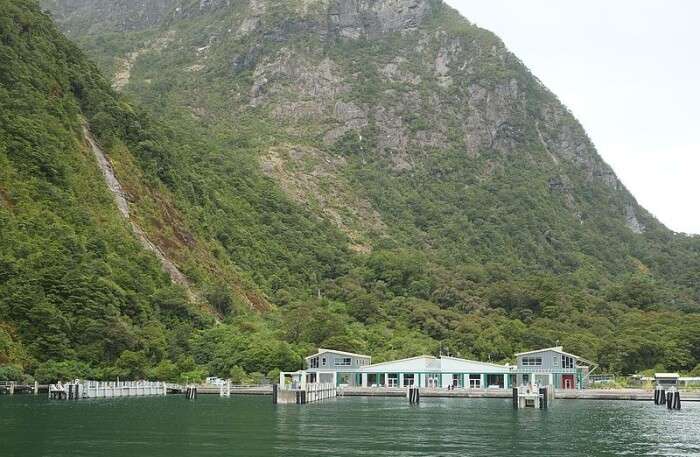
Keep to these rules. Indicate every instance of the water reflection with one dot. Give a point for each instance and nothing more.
(252, 426)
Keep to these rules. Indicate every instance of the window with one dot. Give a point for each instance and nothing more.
(313, 363)
(555, 360)
(408, 379)
(532, 361)
(475, 381)
(343, 362)
(323, 361)
(392, 380)
(567, 362)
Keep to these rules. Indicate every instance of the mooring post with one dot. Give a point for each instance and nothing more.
(543, 398)
(413, 395)
(36, 387)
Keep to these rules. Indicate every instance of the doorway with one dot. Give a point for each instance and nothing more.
(568, 381)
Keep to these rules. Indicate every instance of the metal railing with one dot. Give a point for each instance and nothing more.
(544, 370)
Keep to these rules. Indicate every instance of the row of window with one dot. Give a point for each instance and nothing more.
(566, 361)
(337, 361)
(532, 361)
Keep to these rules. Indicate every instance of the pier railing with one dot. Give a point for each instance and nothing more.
(543, 370)
(311, 392)
(106, 389)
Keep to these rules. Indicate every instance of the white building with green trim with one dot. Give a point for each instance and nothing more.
(550, 366)
(433, 372)
(553, 366)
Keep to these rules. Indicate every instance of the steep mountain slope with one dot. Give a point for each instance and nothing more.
(82, 285)
(392, 178)
(376, 100)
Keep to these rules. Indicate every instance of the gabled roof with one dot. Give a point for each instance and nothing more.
(454, 364)
(457, 359)
(431, 364)
(427, 357)
(351, 354)
(560, 350)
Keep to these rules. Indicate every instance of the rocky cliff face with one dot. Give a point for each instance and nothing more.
(393, 94)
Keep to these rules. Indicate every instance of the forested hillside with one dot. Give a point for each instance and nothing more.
(382, 177)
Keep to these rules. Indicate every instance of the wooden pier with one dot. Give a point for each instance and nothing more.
(311, 393)
(96, 389)
(11, 388)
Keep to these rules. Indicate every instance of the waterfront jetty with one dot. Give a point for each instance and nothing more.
(12, 387)
(532, 396)
(308, 393)
(78, 389)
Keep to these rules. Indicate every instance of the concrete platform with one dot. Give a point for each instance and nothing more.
(426, 392)
(587, 394)
(256, 390)
(620, 394)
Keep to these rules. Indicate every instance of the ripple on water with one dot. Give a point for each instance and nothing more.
(252, 426)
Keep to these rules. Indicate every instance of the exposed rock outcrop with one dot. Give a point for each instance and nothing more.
(354, 19)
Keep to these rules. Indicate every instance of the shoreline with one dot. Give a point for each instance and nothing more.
(562, 394)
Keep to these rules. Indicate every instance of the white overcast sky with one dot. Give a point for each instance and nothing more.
(630, 72)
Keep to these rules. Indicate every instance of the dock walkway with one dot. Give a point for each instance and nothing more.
(586, 394)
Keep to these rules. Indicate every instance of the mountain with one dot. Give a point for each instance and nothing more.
(375, 175)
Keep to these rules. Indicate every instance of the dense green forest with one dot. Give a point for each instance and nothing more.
(386, 231)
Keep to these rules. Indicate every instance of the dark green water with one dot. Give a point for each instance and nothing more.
(252, 426)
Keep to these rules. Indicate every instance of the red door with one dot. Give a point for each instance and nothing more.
(568, 381)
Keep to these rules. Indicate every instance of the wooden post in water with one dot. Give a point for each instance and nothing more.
(36, 387)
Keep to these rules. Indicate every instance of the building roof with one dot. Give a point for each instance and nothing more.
(418, 363)
(667, 375)
(426, 357)
(495, 365)
(431, 364)
(351, 354)
(559, 349)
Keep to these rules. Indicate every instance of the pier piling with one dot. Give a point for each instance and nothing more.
(413, 395)
(191, 393)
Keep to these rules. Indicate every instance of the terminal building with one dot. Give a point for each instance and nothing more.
(550, 366)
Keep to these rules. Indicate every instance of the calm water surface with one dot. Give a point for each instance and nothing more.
(252, 426)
